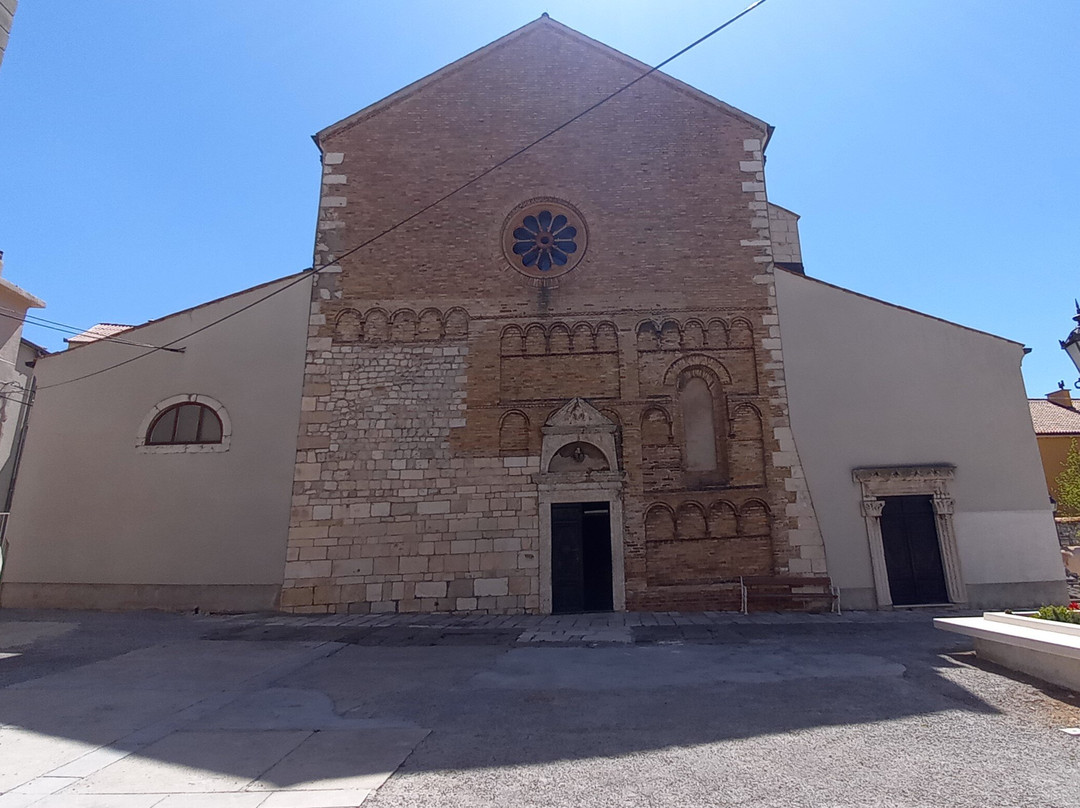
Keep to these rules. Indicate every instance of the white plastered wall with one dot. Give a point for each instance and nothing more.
(873, 385)
(97, 522)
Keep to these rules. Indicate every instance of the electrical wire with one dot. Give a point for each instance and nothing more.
(317, 269)
(41, 322)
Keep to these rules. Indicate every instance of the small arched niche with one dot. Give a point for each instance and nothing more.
(514, 433)
(578, 456)
(648, 339)
(512, 342)
(659, 523)
(349, 326)
(430, 325)
(655, 427)
(377, 326)
(456, 323)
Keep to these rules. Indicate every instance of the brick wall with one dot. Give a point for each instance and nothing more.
(433, 364)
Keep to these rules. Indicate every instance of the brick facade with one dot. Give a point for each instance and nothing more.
(433, 365)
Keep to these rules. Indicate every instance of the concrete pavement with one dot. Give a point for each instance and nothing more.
(864, 709)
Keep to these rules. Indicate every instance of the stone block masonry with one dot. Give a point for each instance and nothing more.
(385, 518)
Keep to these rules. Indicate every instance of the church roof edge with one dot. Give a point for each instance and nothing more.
(544, 20)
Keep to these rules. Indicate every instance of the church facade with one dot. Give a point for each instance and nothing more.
(623, 264)
(594, 378)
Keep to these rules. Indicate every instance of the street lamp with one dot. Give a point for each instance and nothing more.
(1071, 343)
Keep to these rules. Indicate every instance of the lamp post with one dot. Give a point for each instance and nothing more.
(1071, 344)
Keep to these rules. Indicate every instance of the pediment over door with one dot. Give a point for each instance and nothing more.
(577, 413)
(579, 422)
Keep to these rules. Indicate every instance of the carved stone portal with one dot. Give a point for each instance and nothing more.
(897, 481)
(579, 462)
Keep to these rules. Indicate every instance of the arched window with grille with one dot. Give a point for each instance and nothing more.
(189, 423)
(185, 423)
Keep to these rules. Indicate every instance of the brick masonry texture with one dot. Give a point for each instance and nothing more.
(433, 365)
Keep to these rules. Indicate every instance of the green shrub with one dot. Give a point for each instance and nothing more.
(1068, 484)
(1062, 614)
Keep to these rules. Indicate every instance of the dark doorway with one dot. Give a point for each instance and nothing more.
(580, 557)
(912, 551)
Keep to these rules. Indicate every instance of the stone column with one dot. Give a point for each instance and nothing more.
(871, 511)
(950, 556)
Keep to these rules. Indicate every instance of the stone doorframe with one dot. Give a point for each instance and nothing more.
(607, 490)
(579, 422)
(898, 481)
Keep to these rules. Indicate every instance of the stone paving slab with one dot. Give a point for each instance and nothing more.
(195, 761)
(341, 760)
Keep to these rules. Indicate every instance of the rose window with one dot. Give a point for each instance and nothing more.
(545, 240)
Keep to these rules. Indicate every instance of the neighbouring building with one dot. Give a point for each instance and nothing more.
(1057, 428)
(595, 378)
(17, 359)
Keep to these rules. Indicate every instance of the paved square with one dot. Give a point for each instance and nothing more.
(865, 709)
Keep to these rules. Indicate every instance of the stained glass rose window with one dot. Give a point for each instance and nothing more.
(544, 238)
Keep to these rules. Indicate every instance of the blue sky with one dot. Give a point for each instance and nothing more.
(157, 155)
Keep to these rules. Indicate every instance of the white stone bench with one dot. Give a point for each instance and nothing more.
(1045, 649)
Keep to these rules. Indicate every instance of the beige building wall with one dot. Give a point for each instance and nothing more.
(15, 376)
(99, 521)
(874, 385)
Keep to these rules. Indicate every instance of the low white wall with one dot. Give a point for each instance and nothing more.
(94, 518)
(871, 384)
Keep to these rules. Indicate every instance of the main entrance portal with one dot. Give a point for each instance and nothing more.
(580, 557)
(912, 551)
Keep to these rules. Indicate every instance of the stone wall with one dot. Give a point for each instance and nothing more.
(1068, 530)
(385, 517)
(434, 362)
(784, 229)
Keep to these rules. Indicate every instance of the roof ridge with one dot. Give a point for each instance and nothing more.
(544, 20)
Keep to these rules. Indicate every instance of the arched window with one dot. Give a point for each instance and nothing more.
(185, 424)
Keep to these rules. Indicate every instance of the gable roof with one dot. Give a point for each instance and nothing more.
(544, 23)
(1049, 418)
(96, 332)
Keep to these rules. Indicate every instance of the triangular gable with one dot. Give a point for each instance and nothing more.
(557, 28)
(578, 413)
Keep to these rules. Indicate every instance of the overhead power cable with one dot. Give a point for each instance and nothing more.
(41, 322)
(24, 402)
(419, 212)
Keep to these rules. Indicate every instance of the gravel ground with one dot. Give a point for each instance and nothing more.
(786, 715)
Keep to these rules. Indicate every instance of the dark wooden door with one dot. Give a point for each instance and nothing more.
(580, 557)
(912, 551)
